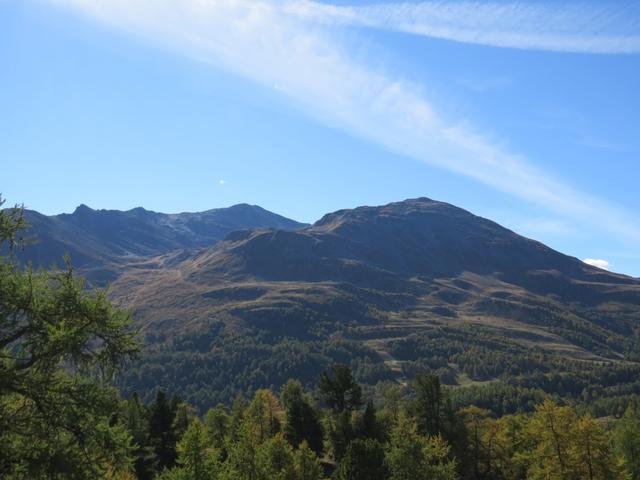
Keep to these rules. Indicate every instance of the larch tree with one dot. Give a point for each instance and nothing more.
(627, 441)
(61, 344)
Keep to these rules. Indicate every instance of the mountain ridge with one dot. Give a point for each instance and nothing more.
(433, 256)
(392, 290)
(102, 242)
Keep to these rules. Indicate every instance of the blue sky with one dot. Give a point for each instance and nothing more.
(526, 113)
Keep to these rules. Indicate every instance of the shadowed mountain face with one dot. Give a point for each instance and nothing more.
(103, 242)
(392, 270)
(416, 238)
(235, 299)
(404, 248)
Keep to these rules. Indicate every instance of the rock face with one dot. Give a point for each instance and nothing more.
(101, 243)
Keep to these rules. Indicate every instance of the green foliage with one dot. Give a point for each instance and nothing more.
(363, 460)
(411, 456)
(627, 441)
(564, 447)
(163, 438)
(428, 405)
(195, 456)
(275, 460)
(302, 422)
(12, 225)
(339, 390)
(60, 345)
(212, 365)
(134, 416)
(216, 425)
(306, 464)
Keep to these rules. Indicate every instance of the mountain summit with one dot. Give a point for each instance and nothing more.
(241, 298)
(422, 261)
(103, 242)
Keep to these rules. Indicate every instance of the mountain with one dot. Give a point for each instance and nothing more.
(392, 290)
(101, 243)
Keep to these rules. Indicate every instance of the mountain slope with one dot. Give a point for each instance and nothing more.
(376, 286)
(103, 242)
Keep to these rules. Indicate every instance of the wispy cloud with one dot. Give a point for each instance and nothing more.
(274, 45)
(585, 27)
(596, 262)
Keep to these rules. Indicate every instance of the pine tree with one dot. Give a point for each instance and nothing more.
(340, 432)
(162, 436)
(411, 456)
(216, 425)
(627, 441)
(363, 460)
(428, 404)
(301, 422)
(369, 427)
(339, 390)
(195, 457)
(275, 460)
(134, 415)
(306, 464)
(263, 417)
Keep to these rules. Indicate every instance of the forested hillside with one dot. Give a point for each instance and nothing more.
(62, 344)
(418, 435)
(393, 291)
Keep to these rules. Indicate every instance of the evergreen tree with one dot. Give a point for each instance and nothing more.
(162, 436)
(428, 404)
(275, 460)
(302, 423)
(411, 456)
(134, 415)
(216, 425)
(196, 459)
(340, 432)
(591, 453)
(627, 441)
(238, 408)
(549, 431)
(60, 346)
(369, 427)
(183, 416)
(392, 397)
(339, 390)
(263, 417)
(476, 420)
(306, 464)
(363, 460)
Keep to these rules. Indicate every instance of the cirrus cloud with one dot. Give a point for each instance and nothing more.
(286, 44)
(604, 28)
